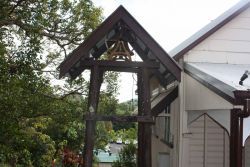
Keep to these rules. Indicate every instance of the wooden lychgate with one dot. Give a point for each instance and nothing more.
(113, 37)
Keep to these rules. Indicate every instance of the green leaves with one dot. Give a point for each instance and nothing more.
(36, 118)
(127, 157)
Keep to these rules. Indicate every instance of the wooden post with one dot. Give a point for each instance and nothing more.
(240, 142)
(90, 124)
(144, 129)
(236, 139)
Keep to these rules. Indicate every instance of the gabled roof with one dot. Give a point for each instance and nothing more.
(209, 29)
(146, 47)
(209, 74)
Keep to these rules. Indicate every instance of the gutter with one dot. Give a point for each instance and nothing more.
(243, 98)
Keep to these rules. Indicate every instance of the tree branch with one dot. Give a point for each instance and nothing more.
(14, 7)
(64, 96)
(6, 22)
(29, 28)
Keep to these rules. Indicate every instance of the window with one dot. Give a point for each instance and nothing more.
(162, 127)
(167, 133)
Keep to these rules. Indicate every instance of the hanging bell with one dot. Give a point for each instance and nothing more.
(120, 51)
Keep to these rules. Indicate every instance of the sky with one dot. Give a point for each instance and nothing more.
(169, 22)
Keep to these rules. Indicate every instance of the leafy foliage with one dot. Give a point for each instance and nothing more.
(125, 108)
(124, 134)
(38, 119)
(127, 157)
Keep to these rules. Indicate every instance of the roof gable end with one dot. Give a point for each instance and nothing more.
(138, 37)
(178, 52)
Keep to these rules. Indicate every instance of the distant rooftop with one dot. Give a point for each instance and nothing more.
(104, 157)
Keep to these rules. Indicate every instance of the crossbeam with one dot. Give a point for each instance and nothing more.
(112, 118)
(107, 65)
(119, 64)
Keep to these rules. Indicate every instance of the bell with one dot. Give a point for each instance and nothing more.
(120, 51)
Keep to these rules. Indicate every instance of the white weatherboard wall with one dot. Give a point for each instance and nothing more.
(157, 148)
(220, 116)
(208, 144)
(199, 100)
(196, 143)
(199, 97)
(230, 44)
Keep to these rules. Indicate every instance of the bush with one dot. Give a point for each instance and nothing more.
(127, 157)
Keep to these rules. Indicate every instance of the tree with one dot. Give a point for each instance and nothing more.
(37, 118)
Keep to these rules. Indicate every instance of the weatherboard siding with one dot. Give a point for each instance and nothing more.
(230, 44)
(199, 97)
(196, 145)
(158, 147)
(208, 144)
(226, 149)
(215, 144)
(239, 23)
(246, 14)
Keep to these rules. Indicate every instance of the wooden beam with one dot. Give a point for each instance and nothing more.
(103, 47)
(143, 55)
(107, 65)
(77, 72)
(90, 41)
(156, 49)
(130, 70)
(112, 118)
(170, 97)
(119, 64)
(144, 129)
(95, 82)
(140, 135)
(147, 112)
(146, 92)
